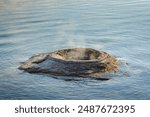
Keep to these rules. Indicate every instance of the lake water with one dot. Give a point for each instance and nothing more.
(120, 27)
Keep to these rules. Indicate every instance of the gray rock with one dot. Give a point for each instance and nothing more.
(78, 62)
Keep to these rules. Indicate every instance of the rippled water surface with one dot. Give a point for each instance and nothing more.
(120, 27)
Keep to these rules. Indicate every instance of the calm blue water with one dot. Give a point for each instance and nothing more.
(120, 27)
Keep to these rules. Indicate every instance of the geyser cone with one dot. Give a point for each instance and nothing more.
(82, 62)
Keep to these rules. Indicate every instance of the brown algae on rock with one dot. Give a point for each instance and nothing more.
(78, 62)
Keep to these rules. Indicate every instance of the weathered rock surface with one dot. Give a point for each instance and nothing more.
(82, 62)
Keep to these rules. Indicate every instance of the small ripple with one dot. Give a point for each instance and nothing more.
(131, 2)
(5, 35)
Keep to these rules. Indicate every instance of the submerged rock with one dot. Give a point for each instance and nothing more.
(80, 62)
